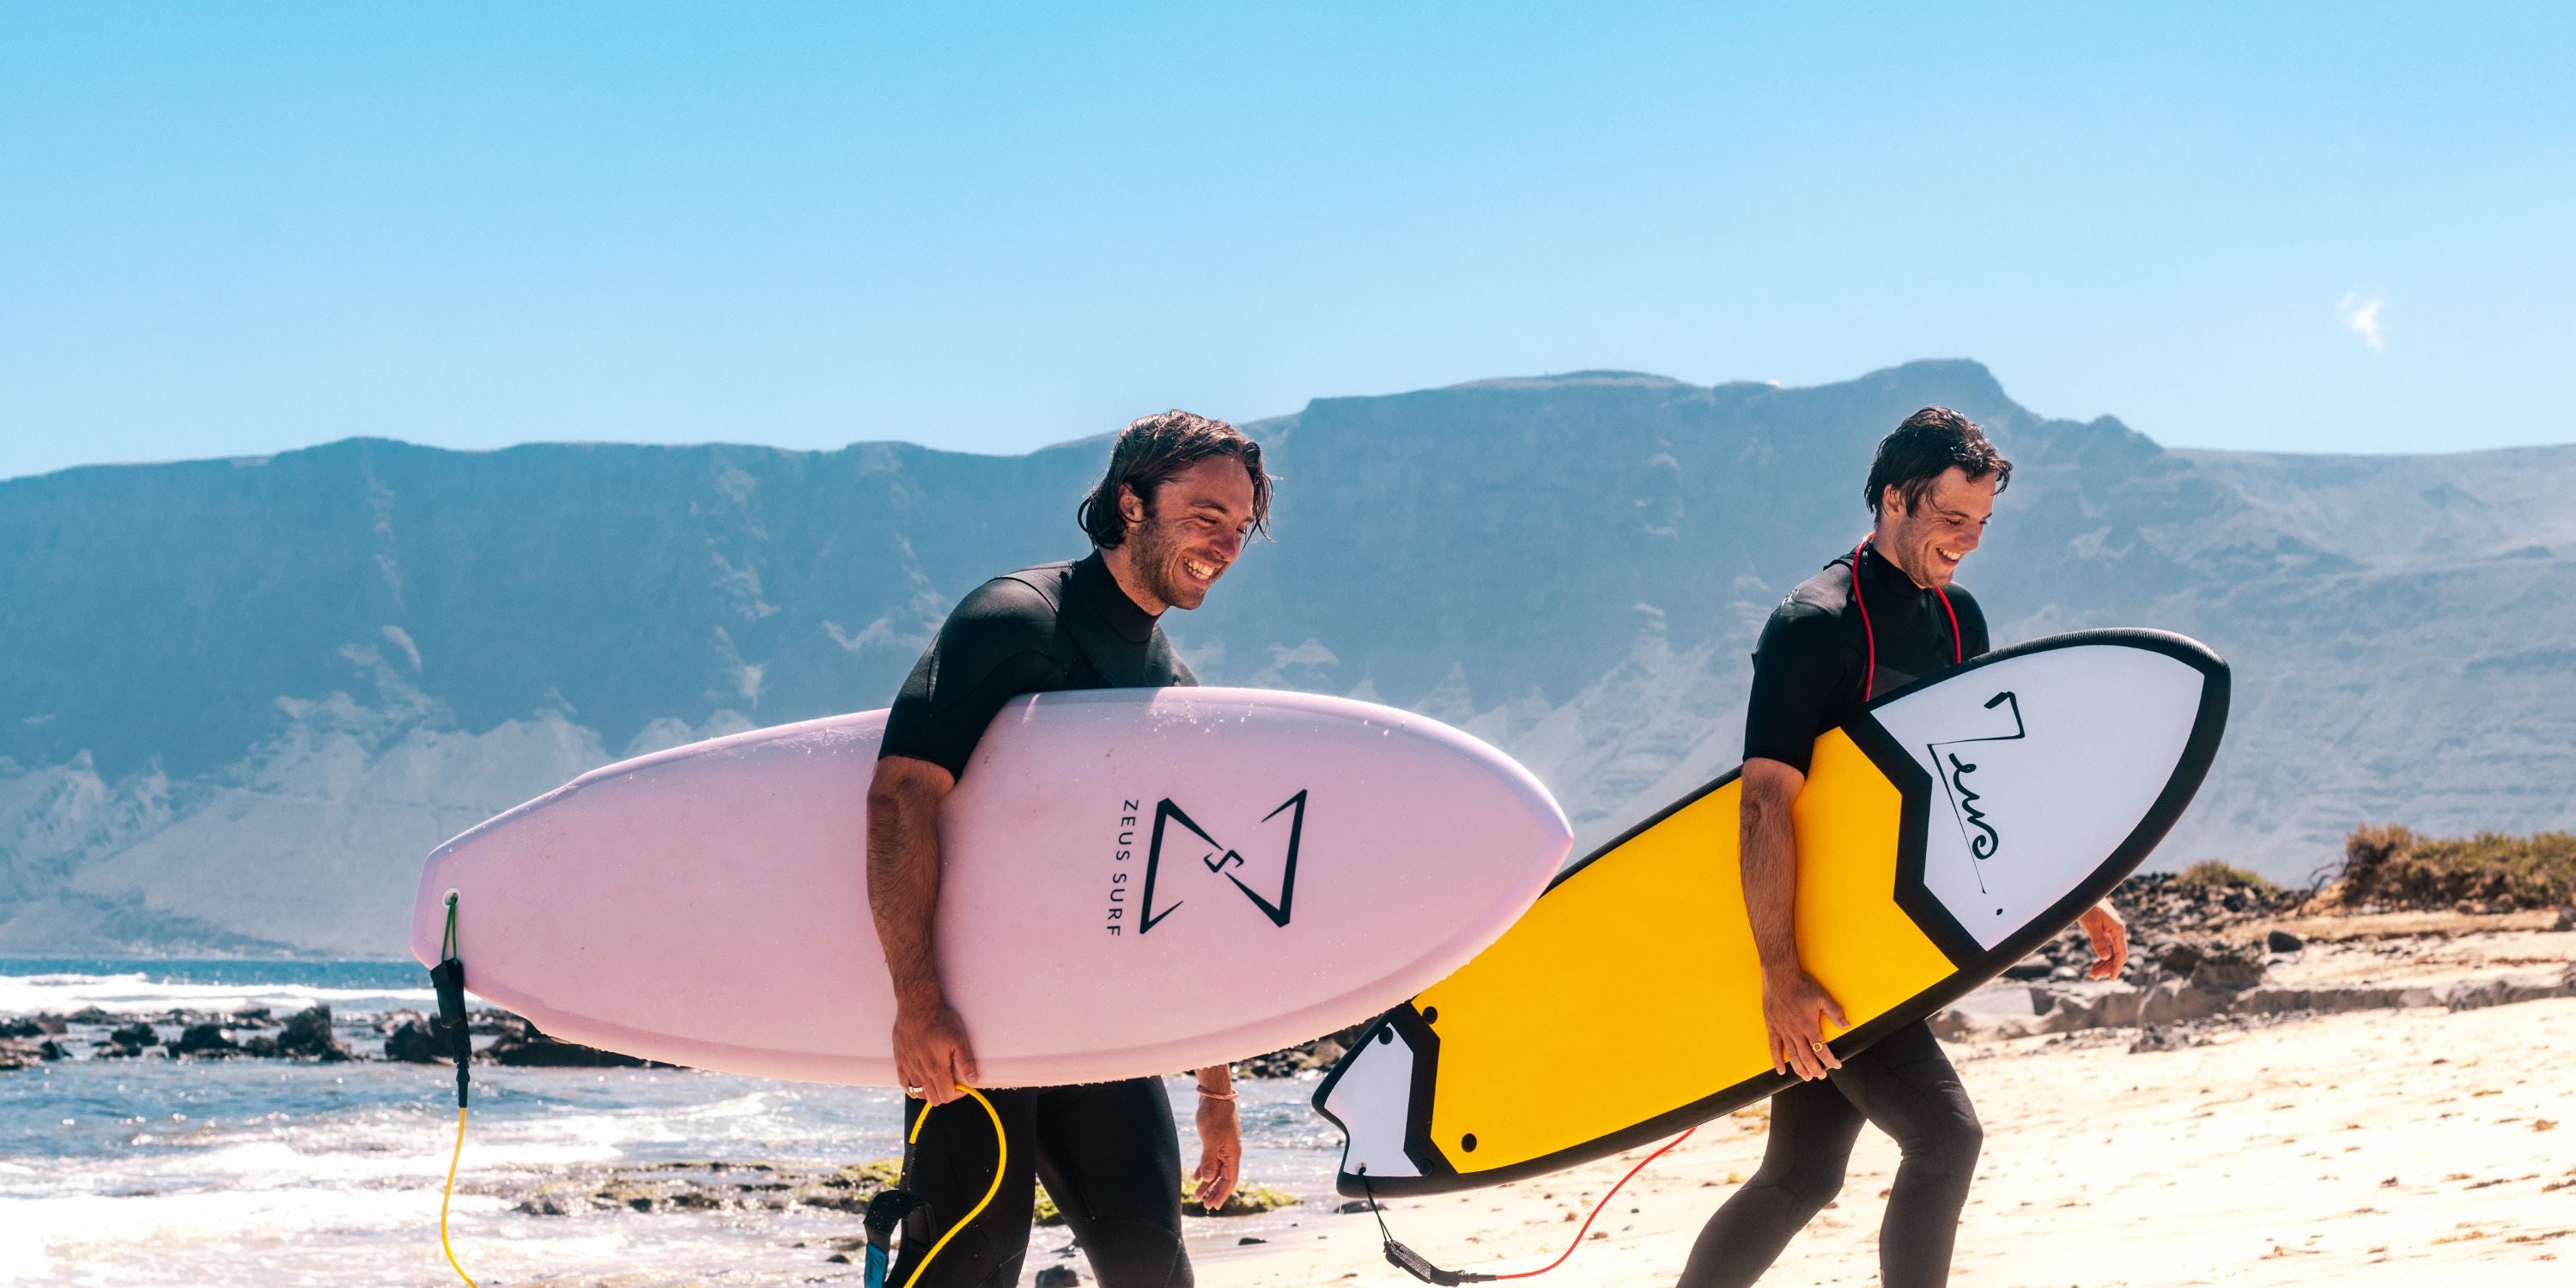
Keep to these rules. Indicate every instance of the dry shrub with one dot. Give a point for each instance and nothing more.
(2212, 872)
(2393, 867)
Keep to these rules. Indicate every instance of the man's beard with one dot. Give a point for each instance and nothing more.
(1156, 556)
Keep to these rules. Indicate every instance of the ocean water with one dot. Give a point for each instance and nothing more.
(162, 1172)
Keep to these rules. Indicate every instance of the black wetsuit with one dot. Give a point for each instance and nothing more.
(1108, 1152)
(1810, 673)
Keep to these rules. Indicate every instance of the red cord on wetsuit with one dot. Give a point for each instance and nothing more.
(1869, 677)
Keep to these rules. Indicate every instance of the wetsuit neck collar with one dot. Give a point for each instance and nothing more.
(1097, 587)
(1881, 574)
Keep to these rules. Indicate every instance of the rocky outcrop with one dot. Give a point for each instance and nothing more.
(22, 1053)
(410, 1039)
(522, 1044)
(2012, 1011)
(1304, 1057)
(128, 1041)
(206, 1041)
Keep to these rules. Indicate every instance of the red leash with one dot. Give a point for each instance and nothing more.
(1414, 1264)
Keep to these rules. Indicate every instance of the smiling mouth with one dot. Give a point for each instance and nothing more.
(1201, 569)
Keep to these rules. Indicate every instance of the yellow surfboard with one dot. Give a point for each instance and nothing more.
(1955, 826)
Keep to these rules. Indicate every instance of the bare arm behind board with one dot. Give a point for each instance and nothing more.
(930, 1050)
(1794, 1006)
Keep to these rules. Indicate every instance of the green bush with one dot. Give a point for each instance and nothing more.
(2392, 867)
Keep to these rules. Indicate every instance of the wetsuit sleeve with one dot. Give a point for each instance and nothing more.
(1973, 641)
(1795, 668)
(992, 649)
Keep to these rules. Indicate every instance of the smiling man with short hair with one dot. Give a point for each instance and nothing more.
(1170, 515)
(1877, 618)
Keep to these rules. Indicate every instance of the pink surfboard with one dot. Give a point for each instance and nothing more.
(1136, 882)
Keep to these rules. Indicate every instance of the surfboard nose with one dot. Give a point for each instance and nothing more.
(1370, 1097)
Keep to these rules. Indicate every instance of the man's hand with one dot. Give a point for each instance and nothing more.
(1794, 1009)
(2110, 937)
(1220, 1152)
(930, 1051)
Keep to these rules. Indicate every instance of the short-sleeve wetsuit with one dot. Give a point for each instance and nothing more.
(1108, 1152)
(1812, 671)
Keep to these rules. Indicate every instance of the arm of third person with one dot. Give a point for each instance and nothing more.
(2110, 936)
(1220, 1138)
(1794, 1006)
(930, 1050)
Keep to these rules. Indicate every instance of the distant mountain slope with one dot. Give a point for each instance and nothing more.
(240, 699)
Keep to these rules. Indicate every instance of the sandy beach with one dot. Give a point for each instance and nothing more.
(2403, 1146)
(2406, 1128)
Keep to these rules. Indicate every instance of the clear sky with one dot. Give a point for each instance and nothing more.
(234, 229)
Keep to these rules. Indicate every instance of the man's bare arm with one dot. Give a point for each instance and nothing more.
(930, 1048)
(1794, 1005)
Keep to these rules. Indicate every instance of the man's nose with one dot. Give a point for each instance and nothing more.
(1229, 545)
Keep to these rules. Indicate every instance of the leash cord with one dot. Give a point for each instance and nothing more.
(443, 1196)
(1001, 1161)
(1413, 1263)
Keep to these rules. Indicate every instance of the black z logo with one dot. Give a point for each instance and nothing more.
(1953, 773)
(1221, 859)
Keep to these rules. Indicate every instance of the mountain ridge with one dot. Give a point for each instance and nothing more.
(240, 699)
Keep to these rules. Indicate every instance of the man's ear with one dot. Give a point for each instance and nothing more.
(1891, 501)
(1131, 507)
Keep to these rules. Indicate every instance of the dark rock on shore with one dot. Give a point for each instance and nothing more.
(93, 1015)
(206, 1041)
(307, 1036)
(522, 1045)
(22, 1027)
(1288, 1063)
(129, 1040)
(410, 1039)
(2170, 916)
(714, 1186)
(20, 1053)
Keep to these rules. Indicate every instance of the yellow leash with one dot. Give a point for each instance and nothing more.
(449, 979)
(443, 1196)
(1001, 1161)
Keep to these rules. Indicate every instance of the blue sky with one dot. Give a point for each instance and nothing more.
(238, 229)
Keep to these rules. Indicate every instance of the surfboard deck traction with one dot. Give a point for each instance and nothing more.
(1618, 1010)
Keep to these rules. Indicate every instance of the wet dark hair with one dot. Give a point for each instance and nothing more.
(1923, 448)
(1155, 448)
